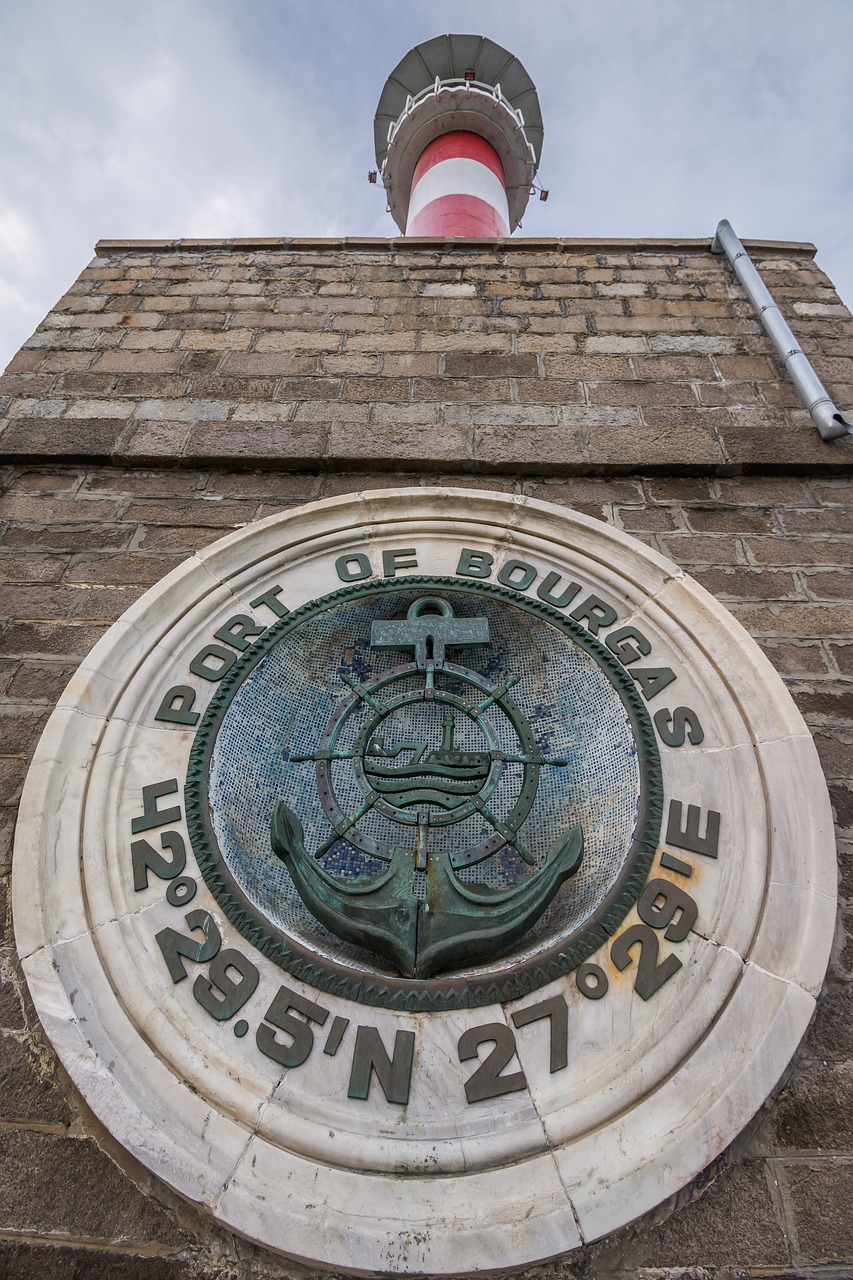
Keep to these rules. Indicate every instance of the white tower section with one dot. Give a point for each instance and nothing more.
(458, 133)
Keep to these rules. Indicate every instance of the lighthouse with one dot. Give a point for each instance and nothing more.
(423, 843)
(458, 134)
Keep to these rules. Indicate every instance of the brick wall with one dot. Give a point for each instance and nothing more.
(629, 382)
(534, 357)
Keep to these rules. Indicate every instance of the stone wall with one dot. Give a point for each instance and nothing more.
(534, 357)
(628, 381)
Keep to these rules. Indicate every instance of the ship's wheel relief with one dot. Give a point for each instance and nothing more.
(419, 915)
(426, 792)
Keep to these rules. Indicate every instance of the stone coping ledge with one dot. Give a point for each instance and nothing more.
(104, 248)
(140, 447)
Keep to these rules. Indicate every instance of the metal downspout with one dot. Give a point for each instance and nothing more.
(813, 393)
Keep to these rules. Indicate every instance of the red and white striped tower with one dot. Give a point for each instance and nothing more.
(458, 132)
(458, 189)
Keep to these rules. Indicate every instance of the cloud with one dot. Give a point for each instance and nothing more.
(165, 118)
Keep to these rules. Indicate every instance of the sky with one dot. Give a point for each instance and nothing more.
(167, 118)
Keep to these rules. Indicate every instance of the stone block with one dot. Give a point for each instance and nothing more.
(404, 340)
(12, 772)
(28, 1088)
(826, 703)
(459, 364)
(331, 411)
(257, 442)
(207, 319)
(264, 412)
(448, 389)
(749, 584)
(59, 480)
(786, 443)
(368, 365)
(226, 340)
(211, 515)
(797, 620)
(586, 368)
(152, 340)
(28, 361)
(539, 339)
(820, 1196)
(87, 384)
(614, 345)
(834, 585)
(737, 394)
(37, 407)
(806, 551)
(765, 491)
(63, 361)
(733, 1224)
(678, 489)
(73, 1189)
(257, 486)
(20, 728)
(153, 384)
(700, 343)
(302, 344)
(341, 482)
(115, 570)
(521, 416)
(36, 1261)
(689, 548)
(266, 364)
(391, 443)
(586, 490)
(370, 389)
(792, 658)
(68, 640)
(781, 395)
(720, 520)
(184, 538)
(27, 384)
(834, 749)
(823, 521)
(106, 604)
(650, 520)
(675, 394)
(35, 508)
(31, 569)
(415, 415)
(277, 323)
(182, 409)
(63, 340)
(153, 442)
(629, 446)
(36, 681)
(546, 450)
(473, 343)
(46, 603)
(102, 408)
(549, 391)
(27, 440)
(122, 361)
(465, 481)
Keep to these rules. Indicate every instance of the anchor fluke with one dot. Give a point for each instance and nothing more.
(379, 913)
(470, 922)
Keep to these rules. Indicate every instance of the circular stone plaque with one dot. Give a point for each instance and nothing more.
(408, 838)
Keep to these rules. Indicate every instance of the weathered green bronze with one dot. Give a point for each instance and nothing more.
(390, 755)
(453, 923)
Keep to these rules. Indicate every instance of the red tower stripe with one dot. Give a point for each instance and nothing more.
(458, 215)
(459, 144)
